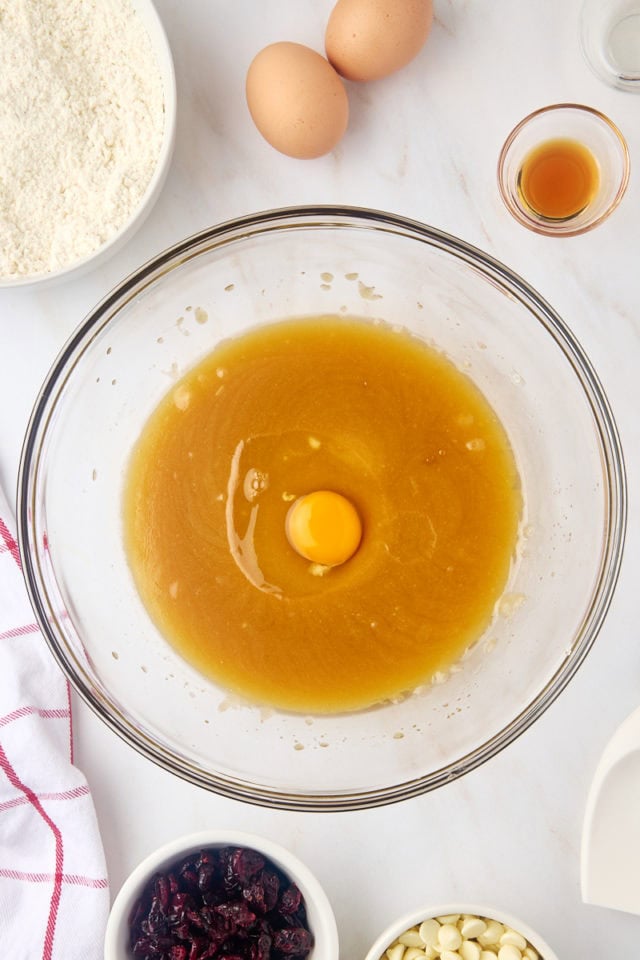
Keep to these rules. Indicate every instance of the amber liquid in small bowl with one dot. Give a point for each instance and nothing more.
(559, 179)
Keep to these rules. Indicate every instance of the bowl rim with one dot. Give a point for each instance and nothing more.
(151, 22)
(562, 228)
(162, 856)
(336, 216)
(419, 914)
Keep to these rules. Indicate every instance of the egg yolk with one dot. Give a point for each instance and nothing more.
(324, 527)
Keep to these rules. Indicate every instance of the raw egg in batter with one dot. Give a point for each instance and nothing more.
(324, 527)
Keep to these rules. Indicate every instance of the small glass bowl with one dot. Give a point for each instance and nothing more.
(570, 121)
(610, 39)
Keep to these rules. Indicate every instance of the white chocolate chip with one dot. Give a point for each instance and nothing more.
(514, 938)
(396, 952)
(469, 950)
(472, 927)
(429, 932)
(492, 934)
(411, 938)
(449, 937)
(460, 937)
(509, 952)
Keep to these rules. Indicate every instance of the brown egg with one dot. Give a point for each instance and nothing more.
(297, 100)
(369, 39)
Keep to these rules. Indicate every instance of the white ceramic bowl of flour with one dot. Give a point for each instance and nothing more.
(87, 128)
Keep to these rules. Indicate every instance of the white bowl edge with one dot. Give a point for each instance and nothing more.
(442, 910)
(319, 911)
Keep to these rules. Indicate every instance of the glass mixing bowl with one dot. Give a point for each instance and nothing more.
(161, 321)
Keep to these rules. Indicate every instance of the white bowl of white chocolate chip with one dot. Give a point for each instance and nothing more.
(459, 932)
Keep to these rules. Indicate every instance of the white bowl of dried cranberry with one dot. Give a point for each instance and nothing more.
(221, 893)
(459, 932)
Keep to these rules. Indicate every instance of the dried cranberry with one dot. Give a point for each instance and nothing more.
(155, 921)
(236, 914)
(293, 942)
(271, 884)
(211, 951)
(226, 903)
(182, 931)
(206, 874)
(141, 947)
(137, 914)
(240, 865)
(248, 863)
(180, 903)
(162, 891)
(152, 948)
(195, 919)
(213, 896)
(261, 949)
(205, 856)
(262, 892)
(189, 878)
(290, 900)
(254, 895)
(198, 946)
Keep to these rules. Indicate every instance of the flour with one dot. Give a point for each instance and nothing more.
(81, 125)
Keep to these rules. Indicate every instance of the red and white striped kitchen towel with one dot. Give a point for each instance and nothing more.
(54, 895)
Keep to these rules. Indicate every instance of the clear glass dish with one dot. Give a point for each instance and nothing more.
(168, 315)
(610, 39)
(589, 128)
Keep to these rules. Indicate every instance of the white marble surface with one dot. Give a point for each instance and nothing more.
(422, 143)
